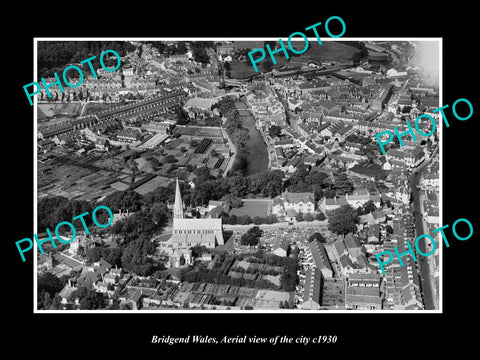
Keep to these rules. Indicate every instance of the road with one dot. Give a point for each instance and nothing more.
(425, 277)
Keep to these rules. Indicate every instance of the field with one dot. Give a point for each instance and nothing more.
(54, 110)
(252, 208)
(92, 108)
(329, 51)
(152, 185)
(248, 44)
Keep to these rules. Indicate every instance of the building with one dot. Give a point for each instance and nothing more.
(363, 298)
(312, 289)
(187, 233)
(300, 202)
(280, 247)
(331, 204)
(318, 257)
(128, 136)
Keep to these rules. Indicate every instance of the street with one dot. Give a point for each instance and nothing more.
(425, 277)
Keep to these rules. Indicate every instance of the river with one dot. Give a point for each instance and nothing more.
(257, 153)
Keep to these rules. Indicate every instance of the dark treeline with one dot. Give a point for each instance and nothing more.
(238, 134)
(54, 56)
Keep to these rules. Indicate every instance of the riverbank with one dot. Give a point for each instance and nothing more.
(257, 153)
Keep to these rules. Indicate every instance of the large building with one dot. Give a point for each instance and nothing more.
(187, 233)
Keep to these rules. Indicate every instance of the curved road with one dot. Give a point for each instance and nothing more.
(426, 280)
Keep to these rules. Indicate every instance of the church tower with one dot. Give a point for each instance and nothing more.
(178, 207)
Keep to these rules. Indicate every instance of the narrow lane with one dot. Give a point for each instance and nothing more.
(426, 280)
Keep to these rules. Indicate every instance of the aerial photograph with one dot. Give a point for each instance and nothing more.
(233, 189)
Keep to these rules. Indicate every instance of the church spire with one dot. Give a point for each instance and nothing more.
(178, 207)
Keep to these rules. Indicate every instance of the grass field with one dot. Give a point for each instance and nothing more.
(252, 208)
(92, 108)
(63, 109)
(328, 51)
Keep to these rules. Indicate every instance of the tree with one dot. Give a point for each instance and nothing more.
(244, 220)
(112, 255)
(170, 158)
(329, 193)
(123, 200)
(232, 201)
(94, 254)
(251, 237)
(343, 220)
(308, 217)
(49, 283)
(320, 216)
(89, 299)
(299, 217)
(369, 207)
(193, 143)
(155, 163)
(56, 303)
(135, 256)
(182, 117)
(389, 229)
(159, 213)
(317, 236)
(274, 131)
(343, 184)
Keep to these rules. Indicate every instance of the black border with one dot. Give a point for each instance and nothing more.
(375, 334)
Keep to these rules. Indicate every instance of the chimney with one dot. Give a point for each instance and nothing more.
(69, 285)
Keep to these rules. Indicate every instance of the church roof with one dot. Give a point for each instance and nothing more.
(193, 238)
(197, 224)
(178, 207)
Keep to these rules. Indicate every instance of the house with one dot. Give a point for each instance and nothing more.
(110, 278)
(431, 180)
(414, 157)
(363, 298)
(89, 278)
(280, 247)
(102, 144)
(364, 280)
(44, 262)
(339, 249)
(360, 197)
(312, 289)
(45, 145)
(180, 257)
(134, 300)
(353, 245)
(326, 204)
(373, 233)
(318, 255)
(66, 293)
(346, 265)
(378, 216)
(128, 136)
(300, 202)
(101, 287)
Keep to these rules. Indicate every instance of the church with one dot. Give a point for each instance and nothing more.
(187, 233)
